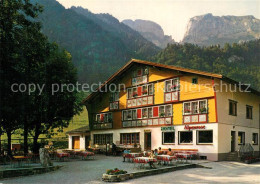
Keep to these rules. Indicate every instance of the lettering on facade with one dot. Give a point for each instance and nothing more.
(167, 129)
(187, 127)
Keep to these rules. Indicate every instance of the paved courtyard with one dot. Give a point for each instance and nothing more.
(90, 171)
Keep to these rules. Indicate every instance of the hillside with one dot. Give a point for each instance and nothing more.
(99, 44)
(151, 31)
(239, 62)
(208, 30)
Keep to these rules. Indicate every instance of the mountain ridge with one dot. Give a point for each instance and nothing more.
(205, 30)
(151, 31)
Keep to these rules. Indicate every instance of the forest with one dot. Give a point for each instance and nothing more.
(238, 61)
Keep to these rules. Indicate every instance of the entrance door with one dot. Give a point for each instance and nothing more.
(75, 142)
(147, 140)
(87, 139)
(233, 138)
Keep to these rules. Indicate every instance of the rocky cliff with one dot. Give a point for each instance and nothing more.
(151, 31)
(209, 30)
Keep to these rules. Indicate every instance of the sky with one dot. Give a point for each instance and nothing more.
(171, 15)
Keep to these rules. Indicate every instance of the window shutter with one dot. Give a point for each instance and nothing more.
(155, 111)
(139, 91)
(139, 113)
(102, 117)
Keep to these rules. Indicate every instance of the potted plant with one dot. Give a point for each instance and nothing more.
(162, 114)
(203, 110)
(135, 94)
(173, 86)
(187, 111)
(145, 92)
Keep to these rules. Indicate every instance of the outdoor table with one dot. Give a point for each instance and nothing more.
(21, 159)
(132, 155)
(144, 160)
(63, 155)
(85, 154)
(165, 158)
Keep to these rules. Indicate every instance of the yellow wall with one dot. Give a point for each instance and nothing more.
(191, 91)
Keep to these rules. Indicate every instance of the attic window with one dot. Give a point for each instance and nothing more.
(195, 80)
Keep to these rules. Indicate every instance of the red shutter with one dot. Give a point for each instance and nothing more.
(102, 117)
(139, 91)
(155, 111)
(139, 113)
(139, 72)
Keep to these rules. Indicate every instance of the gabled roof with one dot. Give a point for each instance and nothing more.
(84, 129)
(185, 70)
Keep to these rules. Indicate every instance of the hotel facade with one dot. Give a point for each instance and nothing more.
(156, 105)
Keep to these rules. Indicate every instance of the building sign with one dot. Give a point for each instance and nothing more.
(147, 130)
(167, 128)
(187, 127)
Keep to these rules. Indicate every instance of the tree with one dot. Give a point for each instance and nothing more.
(55, 110)
(28, 58)
(14, 17)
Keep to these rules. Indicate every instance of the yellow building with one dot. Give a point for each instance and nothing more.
(151, 105)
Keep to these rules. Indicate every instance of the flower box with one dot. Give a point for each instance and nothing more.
(116, 175)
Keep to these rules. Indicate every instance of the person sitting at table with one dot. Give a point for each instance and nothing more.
(169, 152)
(126, 151)
(156, 152)
(160, 152)
(152, 155)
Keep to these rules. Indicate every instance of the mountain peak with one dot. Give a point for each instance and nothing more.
(210, 30)
(150, 30)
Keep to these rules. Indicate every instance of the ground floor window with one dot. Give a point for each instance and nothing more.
(101, 139)
(255, 139)
(241, 137)
(205, 137)
(185, 137)
(168, 137)
(129, 138)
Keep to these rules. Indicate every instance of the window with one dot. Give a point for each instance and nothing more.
(114, 97)
(168, 137)
(161, 111)
(134, 114)
(241, 138)
(139, 91)
(194, 80)
(205, 137)
(129, 114)
(104, 118)
(195, 107)
(129, 138)
(150, 112)
(172, 85)
(147, 112)
(144, 113)
(232, 108)
(103, 139)
(255, 139)
(129, 93)
(249, 112)
(144, 90)
(150, 89)
(168, 110)
(185, 137)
